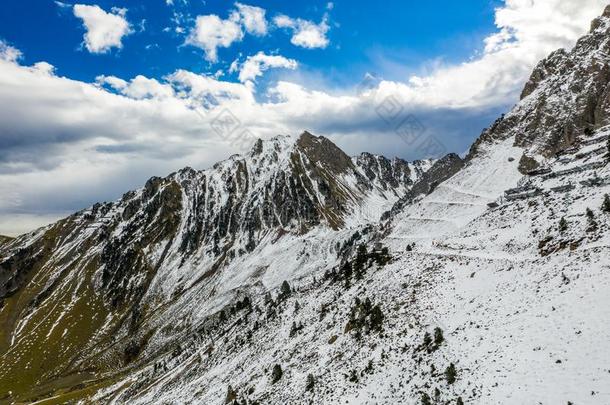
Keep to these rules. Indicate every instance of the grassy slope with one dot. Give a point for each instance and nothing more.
(40, 346)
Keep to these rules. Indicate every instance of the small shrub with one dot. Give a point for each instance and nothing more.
(231, 395)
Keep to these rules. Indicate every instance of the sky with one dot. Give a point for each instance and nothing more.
(98, 96)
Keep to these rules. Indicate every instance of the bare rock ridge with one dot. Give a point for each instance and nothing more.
(440, 171)
(566, 98)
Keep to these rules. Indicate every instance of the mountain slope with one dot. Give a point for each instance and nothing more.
(93, 290)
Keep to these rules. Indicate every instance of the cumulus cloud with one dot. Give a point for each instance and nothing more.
(256, 65)
(104, 30)
(65, 144)
(528, 30)
(211, 32)
(138, 88)
(305, 33)
(252, 18)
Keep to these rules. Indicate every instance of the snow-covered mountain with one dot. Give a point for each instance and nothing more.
(298, 274)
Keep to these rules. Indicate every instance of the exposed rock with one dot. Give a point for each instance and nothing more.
(567, 95)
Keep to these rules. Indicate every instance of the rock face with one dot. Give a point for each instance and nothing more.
(440, 171)
(565, 99)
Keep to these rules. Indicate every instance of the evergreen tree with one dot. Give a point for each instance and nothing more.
(425, 399)
(606, 204)
(592, 222)
(311, 382)
(459, 401)
(276, 373)
(438, 336)
(563, 225)
(361, 259)
(427, 339)
(285, 289)
(450, 374)
(376, 318)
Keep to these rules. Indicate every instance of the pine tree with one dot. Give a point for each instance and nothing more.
(438, 336)
(592, 222)
(563, 225)
(285, 289)
(450, 374)
(606, 204)
(425, 399)
(311, 381)
(427, 339)
(459, 401)
(376, 318)
(276, 374)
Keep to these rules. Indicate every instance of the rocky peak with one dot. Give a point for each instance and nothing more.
(566, 98)
(322, 151)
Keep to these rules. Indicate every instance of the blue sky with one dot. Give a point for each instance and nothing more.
(390, 40)
(96, 96)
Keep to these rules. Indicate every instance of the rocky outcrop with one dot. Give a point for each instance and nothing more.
(440, 171)
(565, 99)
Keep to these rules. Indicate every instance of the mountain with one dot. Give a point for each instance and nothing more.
(104, 282)
(298, 274)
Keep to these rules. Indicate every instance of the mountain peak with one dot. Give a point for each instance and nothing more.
(323, 151)
(565, 99)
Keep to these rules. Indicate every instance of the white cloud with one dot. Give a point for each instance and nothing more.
(252, 18)
(256, 65)
(305, 34)
(104, 30)
(138, 88)
(211, 32)
(66, 143)
(528, 30)
(9, 53)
